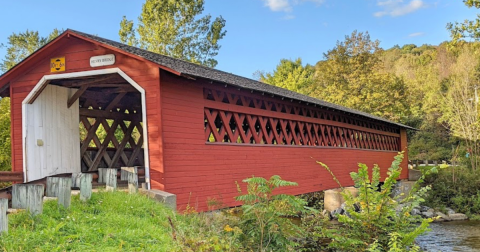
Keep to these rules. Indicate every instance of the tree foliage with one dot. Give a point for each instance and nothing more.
(352, 75)
(460, 107)
(291, 75)
(5, 150)
(467, 28)
(177, 29)
(263, 221)
(22, 44)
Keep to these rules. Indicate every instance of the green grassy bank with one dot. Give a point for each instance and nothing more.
(108, 222)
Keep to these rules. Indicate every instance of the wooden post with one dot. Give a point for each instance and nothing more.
(85, 186)
(52, 187)
(425, 162)
(3, 216)
(111, 179)
(101, 175)
(435, 163)
(417, 164)
(28, 197)
(19, 196)
(132, 179)
(124, 174)
(76, 177)
(64, 193)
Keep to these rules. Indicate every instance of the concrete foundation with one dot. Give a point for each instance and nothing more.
(333, 198)
(402, 189)
(414, 175)
(170, 200)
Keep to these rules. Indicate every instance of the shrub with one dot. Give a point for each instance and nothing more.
(206, 232)
(264, 223)
(374, 221)
(455, 187)
(314, 200)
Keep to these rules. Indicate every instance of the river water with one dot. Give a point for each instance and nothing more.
(451, 236)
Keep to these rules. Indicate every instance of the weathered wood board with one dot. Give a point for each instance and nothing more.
(110, 179)
(28, 197)
(51, 134)
(3, 216)
(86, 186)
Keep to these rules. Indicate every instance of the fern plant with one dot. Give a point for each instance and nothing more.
(376, 221)
(264, 222)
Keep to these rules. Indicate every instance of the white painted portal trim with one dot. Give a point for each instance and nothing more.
(43, 82)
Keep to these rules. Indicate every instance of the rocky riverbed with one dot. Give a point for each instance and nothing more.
(447, 215)
(424, 211)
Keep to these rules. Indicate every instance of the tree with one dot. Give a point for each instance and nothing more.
(175, 28)
(291, 75)
(23, 44)
(460, 107)
(467, 29)
(5, 150)
(353, 75)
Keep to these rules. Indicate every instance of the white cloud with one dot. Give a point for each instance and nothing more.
(416, 34)
(397, 8)
(278, 5)
(287, 5)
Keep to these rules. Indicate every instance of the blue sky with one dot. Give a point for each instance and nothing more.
(259, 32)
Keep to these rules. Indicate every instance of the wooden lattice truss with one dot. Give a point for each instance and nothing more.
(238, 118)
(111, 131)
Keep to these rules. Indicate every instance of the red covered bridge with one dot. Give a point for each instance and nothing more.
(82, 102)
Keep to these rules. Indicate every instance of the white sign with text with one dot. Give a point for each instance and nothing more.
(102, 60)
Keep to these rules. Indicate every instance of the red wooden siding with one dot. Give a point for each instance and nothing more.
(198, 171)
(77, 54)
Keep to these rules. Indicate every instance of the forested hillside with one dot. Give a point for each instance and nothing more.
(429, 87)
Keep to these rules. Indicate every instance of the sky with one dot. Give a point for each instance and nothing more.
(259, 32)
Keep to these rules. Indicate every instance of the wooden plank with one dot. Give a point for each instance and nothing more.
(123, 174)
(64, 191)
(111, 179)
(30, 197)
(115, 102)
(52, 135)
(88, 82)
(136, 152)
(76, 177)
(52, 186)
(7, 176)
(77, 95)
(19, 196)
(132, 179)
(101, 175)
(126, 136)
(110, 115)
(3, 216)
(110, 137)
(86, 186)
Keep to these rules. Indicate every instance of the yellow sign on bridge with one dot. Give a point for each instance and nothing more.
(57, 64)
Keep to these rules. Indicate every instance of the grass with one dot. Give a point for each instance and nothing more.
(107, 222)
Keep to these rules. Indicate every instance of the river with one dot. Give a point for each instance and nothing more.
(451, 236)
